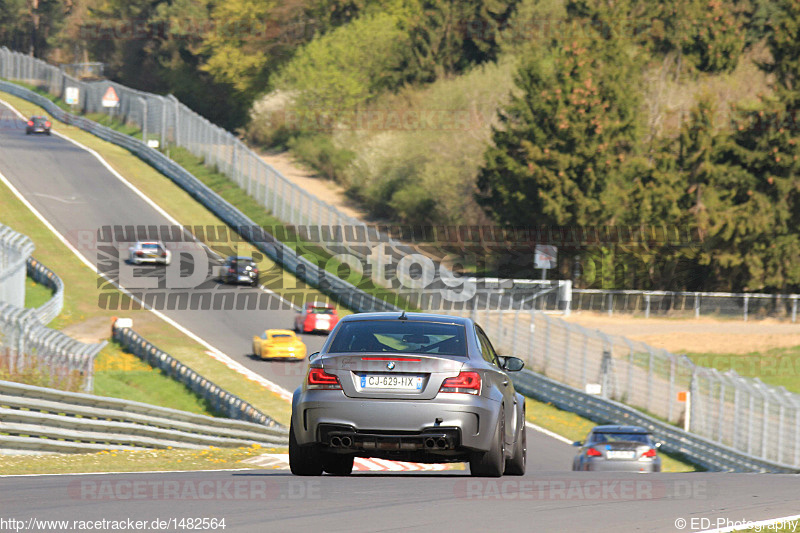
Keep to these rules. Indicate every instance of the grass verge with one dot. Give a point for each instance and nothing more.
(575, 428)
(83, 318)
(779, 367)
(228, 190)
(132, 461)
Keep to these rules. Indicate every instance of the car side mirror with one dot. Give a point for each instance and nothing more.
(512, 364)
(577, 444)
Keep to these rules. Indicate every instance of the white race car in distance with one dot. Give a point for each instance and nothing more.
(149, 252)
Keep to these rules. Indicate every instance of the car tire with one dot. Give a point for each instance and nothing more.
(515, 465)
(337, 464)
(303, 460)
(491, 463)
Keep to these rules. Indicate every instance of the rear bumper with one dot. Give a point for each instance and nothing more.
(605, 465)
(465, 423)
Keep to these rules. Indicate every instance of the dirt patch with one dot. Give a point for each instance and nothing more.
(701, 335)
(329, 192)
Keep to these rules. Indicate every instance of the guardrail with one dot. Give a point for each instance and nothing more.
(344, 292)
(44, 276)
(710, 455)
(39, 419)
(24, 338)
(221, 401)
(15, 248)
(741, 413)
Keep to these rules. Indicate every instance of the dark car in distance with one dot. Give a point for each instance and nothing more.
(38, 125)
(240, 269)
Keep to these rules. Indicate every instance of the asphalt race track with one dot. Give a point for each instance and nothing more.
(546, 499)
(77, 194)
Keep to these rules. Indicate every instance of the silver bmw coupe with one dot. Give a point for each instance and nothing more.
(410, 387)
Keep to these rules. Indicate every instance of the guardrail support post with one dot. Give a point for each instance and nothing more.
(610, 303)
(794, 309)
(697, 305)
(647, 305)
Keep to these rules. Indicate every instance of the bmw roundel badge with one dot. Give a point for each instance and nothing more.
(390, 365)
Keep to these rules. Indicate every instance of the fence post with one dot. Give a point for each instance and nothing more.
(794, 308)
(746, 301)
(610, 303)
(647, 305)
(697, 305)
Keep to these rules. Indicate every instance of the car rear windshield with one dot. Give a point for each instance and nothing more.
(281, 336)
(39, 121)
(400, 336)
(322, 310)
(621, 437)
(150, 246)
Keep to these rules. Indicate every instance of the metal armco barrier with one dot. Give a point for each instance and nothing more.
(221, 401)
(727, 409)
(710, 455)
(38, 419)
(24, 338)
(344, 292)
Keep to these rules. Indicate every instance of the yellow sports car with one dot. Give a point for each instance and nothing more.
(278, 344)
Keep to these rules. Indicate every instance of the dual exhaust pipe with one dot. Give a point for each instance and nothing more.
(341, 442)
(432, 443)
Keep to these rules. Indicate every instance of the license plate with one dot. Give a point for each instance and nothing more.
(391, 382)
(618, 454)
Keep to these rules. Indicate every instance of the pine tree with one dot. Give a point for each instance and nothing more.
(564, 139)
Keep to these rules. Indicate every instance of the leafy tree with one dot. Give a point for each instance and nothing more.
(341, 70)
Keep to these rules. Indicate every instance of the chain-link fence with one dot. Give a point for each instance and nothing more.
(687, 304)
(15, 249)
(165, 119)
(26, 344)
(742, 413)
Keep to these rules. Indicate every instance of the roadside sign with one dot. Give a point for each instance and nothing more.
(545, 256)
(110, 99)
(682, 396)
(594, 388)
(72, 95)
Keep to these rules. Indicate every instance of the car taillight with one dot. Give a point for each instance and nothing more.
(163, 254)
(30, 123)
(231, 270)
(591, 452)
(47, 124)
(465, 382)
(649, 453)
(139, 253)
(319, 379)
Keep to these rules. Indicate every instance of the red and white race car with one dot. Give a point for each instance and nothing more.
(316, 316)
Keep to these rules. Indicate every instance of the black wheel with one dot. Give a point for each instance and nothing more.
(337, 464)
(491, 463)
(303, 460)
(515, 465)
